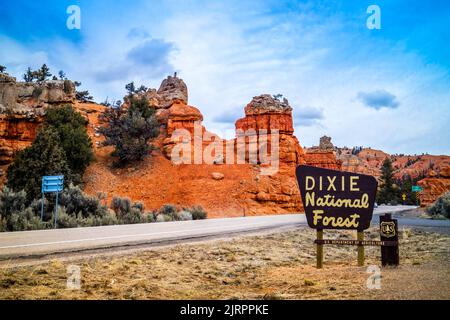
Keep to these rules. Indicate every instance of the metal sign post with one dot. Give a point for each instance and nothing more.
(51, 184)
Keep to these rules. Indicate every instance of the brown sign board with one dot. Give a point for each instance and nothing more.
(336, 199)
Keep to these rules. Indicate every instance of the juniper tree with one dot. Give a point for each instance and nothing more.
(130, 130)
(74, 139)
(44, 157)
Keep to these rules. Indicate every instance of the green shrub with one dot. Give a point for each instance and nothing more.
(128, 213)
(76, 201)
(198, 213)
(169, 210)
(121, 206)
(138, 205)
(441, 207)
(130, 130)
(150, 216)
(65, 220)
(12, 202)
(3, 224)
(184, 215)
(24, 220)
(133, 216)
(164, 218)
(70, 126)
(44, 157)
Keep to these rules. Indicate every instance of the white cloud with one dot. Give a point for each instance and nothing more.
(229, 52)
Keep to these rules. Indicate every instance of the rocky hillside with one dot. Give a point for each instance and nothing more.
(230, 185)
(433, 170)
(369, 161)
(22, 108)
(224, 188)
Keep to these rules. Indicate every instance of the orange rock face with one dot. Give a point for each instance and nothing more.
(279, 191)
(434, 187)
(436, 169)
(323, 159)
(223, 188)
(22, 109)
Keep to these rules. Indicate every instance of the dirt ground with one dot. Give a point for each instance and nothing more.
(277, 265)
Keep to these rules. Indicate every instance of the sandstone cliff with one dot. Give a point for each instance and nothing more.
(22, 108)
(323, 156)
(224, 187)
(434, 186)
(433, 168)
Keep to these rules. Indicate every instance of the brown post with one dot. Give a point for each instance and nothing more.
(319, 250)
(389, 232)
(360, 249)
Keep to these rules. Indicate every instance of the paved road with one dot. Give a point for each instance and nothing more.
(45, 242)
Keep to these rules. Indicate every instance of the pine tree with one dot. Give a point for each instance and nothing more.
(43, 73)
(29, 75)
(130, 88)
(387, 191)
(2, 69)
(62, 75)
(44, 157)
(82, 96)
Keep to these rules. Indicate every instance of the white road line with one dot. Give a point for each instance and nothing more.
(134, 235)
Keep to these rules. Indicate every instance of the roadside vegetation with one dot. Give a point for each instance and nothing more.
(62, 146)
(77, 209)
(391, 190)
(440, 209)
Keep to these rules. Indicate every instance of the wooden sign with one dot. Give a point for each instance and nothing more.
(336, 199)
(389, 232)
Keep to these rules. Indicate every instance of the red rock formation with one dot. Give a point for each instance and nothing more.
(22, 110)
(323, 155)
(434, 187)
(224, 189)
(369, 161)
(279, 191)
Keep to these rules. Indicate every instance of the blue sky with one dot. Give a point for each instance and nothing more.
(388, 88)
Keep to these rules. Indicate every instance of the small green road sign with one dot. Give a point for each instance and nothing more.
(416, 189)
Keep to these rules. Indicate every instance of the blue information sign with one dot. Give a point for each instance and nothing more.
(51, 184)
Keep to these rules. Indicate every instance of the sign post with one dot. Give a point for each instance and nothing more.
(417, 189)
(361, 259)
(51, 184)
(338, 200)
(319, 236)
(389, 233)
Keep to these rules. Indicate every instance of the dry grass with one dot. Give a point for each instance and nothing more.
(269, 266)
